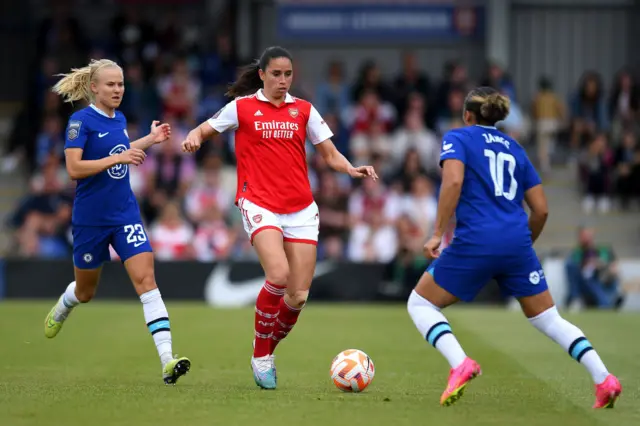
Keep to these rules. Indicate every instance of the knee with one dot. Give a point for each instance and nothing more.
(84, 295)
(145, 282)
(297, 299)
(278, 274)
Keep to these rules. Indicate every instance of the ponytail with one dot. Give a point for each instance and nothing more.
(76, 85)
(247, 83)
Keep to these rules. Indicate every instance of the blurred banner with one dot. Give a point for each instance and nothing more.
(237, 284)
(219, 284)
(350, 21)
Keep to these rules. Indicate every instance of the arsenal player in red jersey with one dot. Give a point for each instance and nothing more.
(273, 193)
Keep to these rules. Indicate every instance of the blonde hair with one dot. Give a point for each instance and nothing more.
(488, 105)
(76, 85)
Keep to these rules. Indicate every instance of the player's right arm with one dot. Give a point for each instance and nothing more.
(76, 139)
(536, 199)
(223, 120)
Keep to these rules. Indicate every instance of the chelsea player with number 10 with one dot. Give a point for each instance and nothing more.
(486, 177)
(105, 210)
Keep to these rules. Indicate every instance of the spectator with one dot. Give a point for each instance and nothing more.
(595, 169)
(409, 170)
(410, 81)
(627, 162)
(624, 103)
(420, 205)
(592, 273)
(588, 111)
(373, 197)
(50, 142)
(374, 140)
(373, 240)
(548, 113)
(142, 101)
(169, 173)
(333, 209)
(369, 110)
(454, 78)
(451, 117)
(171, 236)
(333, 95)
(370, 80)
(414, 135)
(179, 91)
(214, 240)
(208, 193)
(497, 78)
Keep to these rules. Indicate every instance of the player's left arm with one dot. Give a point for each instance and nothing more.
(158, 134)
(536, 199)
(452, 178)
(320, 135)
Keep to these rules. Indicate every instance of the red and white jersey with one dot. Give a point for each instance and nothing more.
(270, 149)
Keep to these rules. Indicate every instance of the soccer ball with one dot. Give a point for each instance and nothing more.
(352, 370)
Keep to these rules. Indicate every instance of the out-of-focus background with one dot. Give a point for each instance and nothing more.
(389, 77)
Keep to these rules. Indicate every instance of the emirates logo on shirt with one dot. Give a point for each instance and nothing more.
(276, 129)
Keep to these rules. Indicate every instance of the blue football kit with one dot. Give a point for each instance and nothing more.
(492, 239)
(105, 210)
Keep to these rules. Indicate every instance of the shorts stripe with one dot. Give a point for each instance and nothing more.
(300, 241)
(264, 228)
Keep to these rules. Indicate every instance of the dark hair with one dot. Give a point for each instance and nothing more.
(488, 105)
(249, 80)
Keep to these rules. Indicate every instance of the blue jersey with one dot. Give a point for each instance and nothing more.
(105, 199)
(490, 217)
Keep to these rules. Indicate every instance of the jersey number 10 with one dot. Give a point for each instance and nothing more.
(496, 167)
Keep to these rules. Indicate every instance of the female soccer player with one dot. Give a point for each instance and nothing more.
(273, 192)
(105, 211)
(486, 176)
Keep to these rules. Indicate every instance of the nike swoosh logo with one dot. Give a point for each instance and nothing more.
(50, 322)
(220, 291)
(102, 135)
(138, 244)
(447, 146)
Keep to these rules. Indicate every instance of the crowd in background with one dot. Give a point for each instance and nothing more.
(394, 122)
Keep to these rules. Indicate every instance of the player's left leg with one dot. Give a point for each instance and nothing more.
(424, 306)
(300, 236)
(90, 251)
(525, 280)
(302, 263)
(136, 253)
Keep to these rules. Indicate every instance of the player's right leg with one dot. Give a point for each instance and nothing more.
(90, 251)
(523, 278)
(424, 306)
(543, 315)
(265, 232)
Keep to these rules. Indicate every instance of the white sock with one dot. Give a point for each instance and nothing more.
(572, 340)
(157, 319)
(66, 302)
(435, 328)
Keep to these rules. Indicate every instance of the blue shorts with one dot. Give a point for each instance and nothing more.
(91, 243)
(518, 275)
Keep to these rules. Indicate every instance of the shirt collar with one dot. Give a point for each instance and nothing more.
(288, 99)
(101, 112)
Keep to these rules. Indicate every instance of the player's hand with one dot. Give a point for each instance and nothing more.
(133, 156)
(191, 144)
(160, 133)
(432, 247)
(362, 172)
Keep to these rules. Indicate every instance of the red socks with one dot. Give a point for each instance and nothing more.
(284, 322)
(267, 304)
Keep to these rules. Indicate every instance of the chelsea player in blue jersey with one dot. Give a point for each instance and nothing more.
(105, 212)
(486, 177)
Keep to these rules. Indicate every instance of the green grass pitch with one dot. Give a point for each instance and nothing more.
(103, 369)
